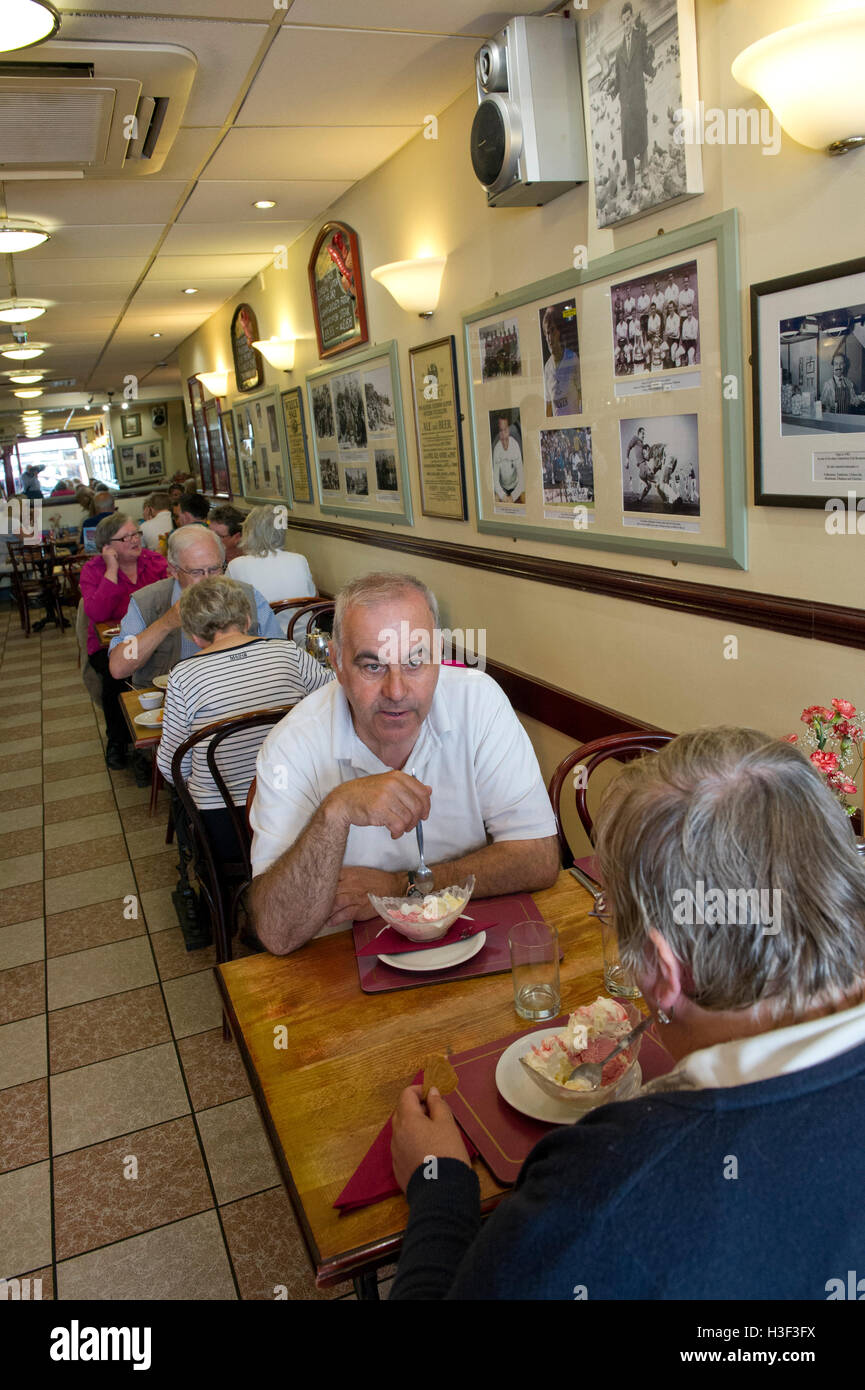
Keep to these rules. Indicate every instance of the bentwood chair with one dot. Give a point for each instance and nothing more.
(279, 605)
(33, 577)
(589, 756)
(316, 608)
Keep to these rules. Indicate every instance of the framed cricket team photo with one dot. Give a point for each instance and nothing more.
(808, 365)
(624, 428)
(640, 71)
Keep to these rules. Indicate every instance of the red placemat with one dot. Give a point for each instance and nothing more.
(503, 1136)
(495, 916)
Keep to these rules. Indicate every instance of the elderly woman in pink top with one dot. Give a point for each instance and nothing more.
(107, 583)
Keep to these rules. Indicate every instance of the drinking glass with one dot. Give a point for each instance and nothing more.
(617, 980)
(535, 969)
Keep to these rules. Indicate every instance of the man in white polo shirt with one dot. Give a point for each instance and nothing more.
(344, 780)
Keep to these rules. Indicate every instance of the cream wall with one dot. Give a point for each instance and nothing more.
(172, 433)
(798, 209)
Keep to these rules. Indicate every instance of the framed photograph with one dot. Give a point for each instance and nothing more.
(298, 449)
(200, 433)
(593, 447)
(336, 289)
(261, 448)
(808, 364)
(436, 402)
(142, 462)
(248, 366)
(642, 99)
(229, 444)
(130, 425)
(358, 436)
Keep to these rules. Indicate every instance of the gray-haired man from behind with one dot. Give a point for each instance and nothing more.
(151, 642)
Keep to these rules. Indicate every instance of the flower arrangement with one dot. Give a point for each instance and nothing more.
(837, 737)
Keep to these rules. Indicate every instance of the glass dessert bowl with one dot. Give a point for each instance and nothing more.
(428, 918)
(592, 1031)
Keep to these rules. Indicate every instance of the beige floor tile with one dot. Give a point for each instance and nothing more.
(78, 807)
(104, 970)
(88, 886)
(139, 818)
(95, 925)
(131, 796)
(24, 818)
(25, 868)
(84, 831)
(22, 943)
(55, 722)
(21, 743)
(20, 761)
(25, 1201)
(21, 903)
(27, 724)
(23, 777)
(238, 1151)
(77, 786)
(21, 706)
(98, 854)
(23, 1051)
(75, 702)
(86, 750)
(186, 1260)
(194, 1003)
(116, 1097)
(144, 843)
(82, 728)
(18, 797)
(158, 909)
(213, 1069)
(173, 959)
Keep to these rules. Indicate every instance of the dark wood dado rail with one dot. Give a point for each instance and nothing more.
(582, 720)
(823, 622)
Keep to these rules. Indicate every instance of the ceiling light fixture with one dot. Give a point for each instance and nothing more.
(27, 22)
(24, 351)
(25, 378)
(156, 335)
(20, 310)
(810, 75)
(29, 394)
(415, 285)
(264, 203)
(190, 291)
(19, 233)
(279, 352)
(216, 382)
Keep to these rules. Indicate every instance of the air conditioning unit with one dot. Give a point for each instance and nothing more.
(528, 139)
(92, 109)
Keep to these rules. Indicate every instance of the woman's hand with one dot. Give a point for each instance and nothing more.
(420, 1133)
(109, 555)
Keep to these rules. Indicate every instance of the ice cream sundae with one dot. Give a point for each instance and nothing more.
(428, 918)
(592, 1033)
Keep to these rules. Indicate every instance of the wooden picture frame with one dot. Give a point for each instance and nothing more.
(130, 425)
(248, 366)
(297, 446)
(200, 433)
(808, 374)
(438, 429)
(555, 464)
(261, 450)
(358, 436)
(336, 290)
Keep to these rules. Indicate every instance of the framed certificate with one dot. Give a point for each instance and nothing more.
(298, 450)
(435, 399)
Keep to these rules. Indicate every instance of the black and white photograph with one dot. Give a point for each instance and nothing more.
(660, 465)
(329, 470)
(350, 416)
(567, 467)
(500, 350)
(506, 445)
(155, 467)
(379, 406)
(322, 411)
(386, 476)
(265, 464)
(560, 350)
(641, 61)
(656, 321)
(271, 425)
(823, 371)
(154, 451)
(356, 482)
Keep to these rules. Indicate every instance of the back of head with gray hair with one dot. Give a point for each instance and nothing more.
(378, 587)
(734, 810)
(107, 529)
(215, 605)
(185, 536)
(261, 535)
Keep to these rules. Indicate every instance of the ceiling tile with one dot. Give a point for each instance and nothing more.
(52, 277)
(307, 152)
(392, 79)
(233, 239)
(445, 17)
(98, 240)
(204, 272)
(58, 203)
(297, 200)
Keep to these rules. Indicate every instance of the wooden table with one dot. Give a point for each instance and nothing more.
(328, 1091)
(106, 631)
(141, 736)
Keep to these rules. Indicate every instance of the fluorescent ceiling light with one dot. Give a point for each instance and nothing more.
(264, 203)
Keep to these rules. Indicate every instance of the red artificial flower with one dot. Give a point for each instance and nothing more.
(844, 707)
(849, 787)
(824, 762)
(791, 738)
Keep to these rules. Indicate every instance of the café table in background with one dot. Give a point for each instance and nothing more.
(327, 1082)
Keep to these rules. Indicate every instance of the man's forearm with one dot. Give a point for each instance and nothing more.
(508, 866)
(146, 642)
(291, 900)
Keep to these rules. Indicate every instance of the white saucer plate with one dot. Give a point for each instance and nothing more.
(517, 1088)
(438, 957)
(151, 718)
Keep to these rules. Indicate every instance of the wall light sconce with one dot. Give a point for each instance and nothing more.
(415, 285)
(215, 382)
(279, 352)
(810, 75)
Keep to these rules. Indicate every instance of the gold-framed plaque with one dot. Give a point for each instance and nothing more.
(298, 450)
(436, 403)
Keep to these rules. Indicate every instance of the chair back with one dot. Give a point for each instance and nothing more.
(279, 605)
(260, 719)
(589, 756)
(316, 608)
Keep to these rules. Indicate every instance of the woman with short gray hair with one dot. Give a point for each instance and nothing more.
(232, 675)
(275, 572)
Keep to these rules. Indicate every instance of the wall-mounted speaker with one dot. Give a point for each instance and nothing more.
(158, 417)
(528, 139)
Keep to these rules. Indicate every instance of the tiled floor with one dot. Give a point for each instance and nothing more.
(133, 1163)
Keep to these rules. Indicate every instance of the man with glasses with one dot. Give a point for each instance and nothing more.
(120, 568)
(150, 641)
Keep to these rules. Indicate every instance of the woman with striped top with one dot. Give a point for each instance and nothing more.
(233, 674)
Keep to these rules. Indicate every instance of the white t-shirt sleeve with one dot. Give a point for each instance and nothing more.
(286, 796)
(511, 791)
